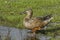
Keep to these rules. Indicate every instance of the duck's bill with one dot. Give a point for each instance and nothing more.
(23, 12)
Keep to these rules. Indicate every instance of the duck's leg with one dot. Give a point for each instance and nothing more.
(35, 29)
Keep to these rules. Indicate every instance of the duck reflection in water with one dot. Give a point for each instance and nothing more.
(31, 36)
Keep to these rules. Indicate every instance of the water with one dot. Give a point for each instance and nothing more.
(20, 34)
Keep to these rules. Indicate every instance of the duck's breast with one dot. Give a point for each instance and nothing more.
(28, 24)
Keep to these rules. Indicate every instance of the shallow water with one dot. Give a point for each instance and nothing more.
(20, 34)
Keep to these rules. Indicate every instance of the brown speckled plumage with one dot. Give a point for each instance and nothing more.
(35, 23)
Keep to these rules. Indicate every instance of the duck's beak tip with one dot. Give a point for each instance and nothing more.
(21, 13)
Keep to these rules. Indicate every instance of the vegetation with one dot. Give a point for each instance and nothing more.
(10, 12)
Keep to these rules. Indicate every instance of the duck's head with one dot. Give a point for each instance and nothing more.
(28, 12)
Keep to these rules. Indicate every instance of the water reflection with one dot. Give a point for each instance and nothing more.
(7, 33)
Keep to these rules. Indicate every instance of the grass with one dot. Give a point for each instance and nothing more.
(10, 9)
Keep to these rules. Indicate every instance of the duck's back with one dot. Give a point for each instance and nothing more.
(33, 22)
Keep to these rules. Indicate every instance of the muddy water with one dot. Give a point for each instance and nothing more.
(20, 34)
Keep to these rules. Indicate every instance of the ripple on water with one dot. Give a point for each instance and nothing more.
(21, 34)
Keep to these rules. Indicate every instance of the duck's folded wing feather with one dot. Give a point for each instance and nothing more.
(35, 22)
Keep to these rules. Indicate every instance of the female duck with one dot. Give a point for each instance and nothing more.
(35, 23)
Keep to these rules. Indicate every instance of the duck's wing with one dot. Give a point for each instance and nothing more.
(36, 22)
(40, 21)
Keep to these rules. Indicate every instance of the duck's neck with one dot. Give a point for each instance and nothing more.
(28, 17)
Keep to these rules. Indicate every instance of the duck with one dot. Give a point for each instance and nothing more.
(35, 23)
